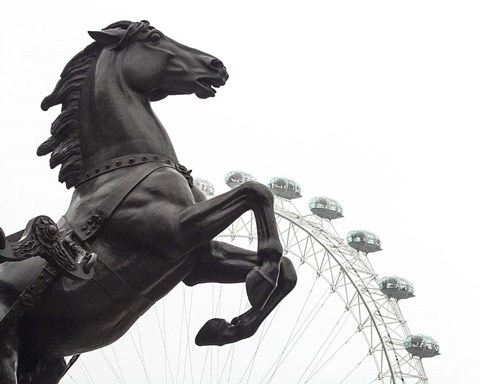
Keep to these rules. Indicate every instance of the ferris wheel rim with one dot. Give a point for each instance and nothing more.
(286, 210)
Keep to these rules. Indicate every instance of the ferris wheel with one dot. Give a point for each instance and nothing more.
(341, 324)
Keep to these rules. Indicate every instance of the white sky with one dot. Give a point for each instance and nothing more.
(373, 103)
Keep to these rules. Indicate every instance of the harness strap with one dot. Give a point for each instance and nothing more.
(42, 238)
(28, 298)
(112, 284)
(87, 226)
(86, 222)
(121, 162)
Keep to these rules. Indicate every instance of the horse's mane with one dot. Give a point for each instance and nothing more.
(64, 142)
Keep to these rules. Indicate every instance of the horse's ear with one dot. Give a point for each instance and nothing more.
(109, 36)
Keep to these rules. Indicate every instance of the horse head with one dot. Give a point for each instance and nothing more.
(105, 91)
(157, 66)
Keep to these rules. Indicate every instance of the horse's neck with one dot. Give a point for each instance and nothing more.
(116, 121)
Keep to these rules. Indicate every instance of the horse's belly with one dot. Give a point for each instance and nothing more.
(66, 322)
(76, 317)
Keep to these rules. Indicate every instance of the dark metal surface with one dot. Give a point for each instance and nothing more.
(149, 226)
(42, 238)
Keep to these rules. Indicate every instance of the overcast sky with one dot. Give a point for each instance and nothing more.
(373, 103)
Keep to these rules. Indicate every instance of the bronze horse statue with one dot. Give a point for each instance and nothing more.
(135, 207)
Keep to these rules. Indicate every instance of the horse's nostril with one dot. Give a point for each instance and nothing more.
(216, 64)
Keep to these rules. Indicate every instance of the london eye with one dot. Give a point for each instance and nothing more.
(342, 323)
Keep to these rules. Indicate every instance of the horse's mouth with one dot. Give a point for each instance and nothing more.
(207, 86)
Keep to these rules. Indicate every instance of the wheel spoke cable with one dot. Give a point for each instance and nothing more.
(330, 358)
(299, 333)
(327, 338)
(354, 368)
(263, 334)
(168, 367)
(142, 361)
(291, 335)
(118, 363)
(181, 335)
(86, 372)
(242, 295)
(110, 365)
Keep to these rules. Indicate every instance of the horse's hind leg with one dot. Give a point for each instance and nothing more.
(9, 357)
(203, 221)
(226, 263)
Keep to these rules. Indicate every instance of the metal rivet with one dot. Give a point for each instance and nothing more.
(97, 170)
(52, 230)
(41, 276)
(107, 166)
(93, 225)
(88, 174)
(84, 227)
(89, 221)
(118, 162)
(32, 286)
(88, 232)
(131, 160)
(144, 158)
(155, 157)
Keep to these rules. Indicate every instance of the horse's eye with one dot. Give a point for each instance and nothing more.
(154, 38)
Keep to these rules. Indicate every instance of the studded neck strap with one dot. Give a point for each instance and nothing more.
(87, 216)
(122, 162)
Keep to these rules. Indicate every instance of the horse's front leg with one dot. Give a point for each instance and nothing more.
(225, 263)
(201, 222)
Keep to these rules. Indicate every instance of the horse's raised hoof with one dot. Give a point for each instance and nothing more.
(219, 332)
(260, 287)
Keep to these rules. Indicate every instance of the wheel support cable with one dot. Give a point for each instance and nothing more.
(300, 331)
(354, 368)
(323, 344)
(292, 335)
(142, 361)
(181, 335)
(118, 364)
(86, 372)
(330, 358)
(112, 368)
(164, 342)
(263, 333)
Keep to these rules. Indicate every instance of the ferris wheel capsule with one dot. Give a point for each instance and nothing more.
(285, 188)
(235, 178)
(422, 346)
(205, 186)
(364, 241)
(396, 287)
(325, 208)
